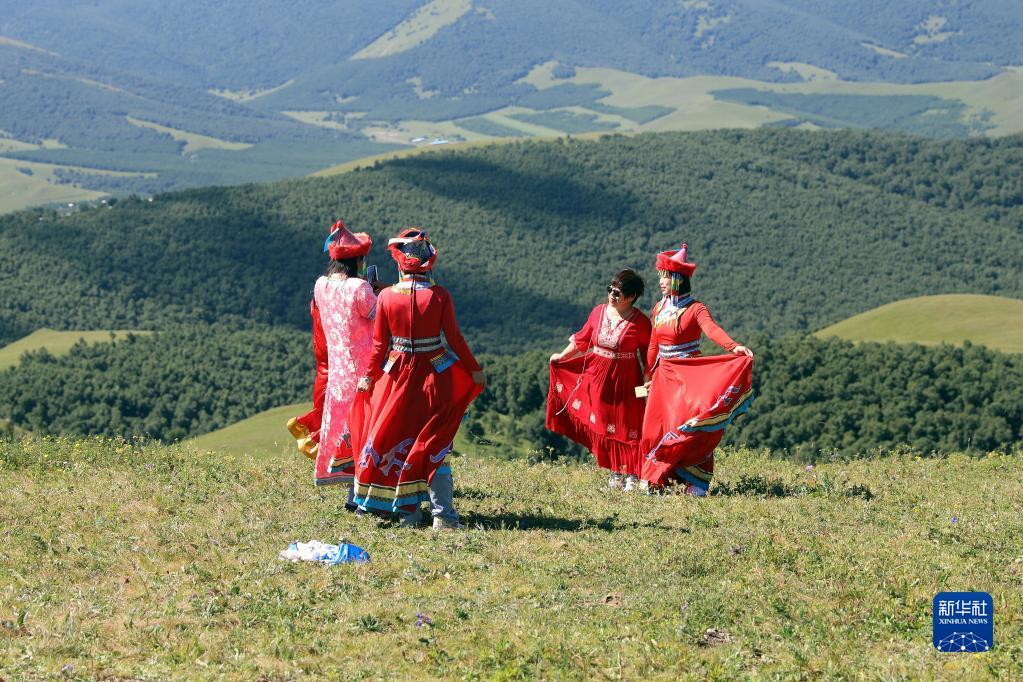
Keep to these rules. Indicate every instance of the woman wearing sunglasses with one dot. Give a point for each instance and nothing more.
(592, 397)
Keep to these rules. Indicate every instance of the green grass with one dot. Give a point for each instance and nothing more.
(566, 121)
(367, 162)
(56, 342)
(125, 561)
(695, 107)
(484, 126)
(194, 142)
(991, 321)
(416, 29)
(261, 436)
(264, 436)
(19, 190)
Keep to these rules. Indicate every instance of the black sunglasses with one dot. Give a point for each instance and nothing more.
(614, 291)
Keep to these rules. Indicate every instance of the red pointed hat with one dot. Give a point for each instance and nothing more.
(412, 251)
(342, 244)
(675, 261)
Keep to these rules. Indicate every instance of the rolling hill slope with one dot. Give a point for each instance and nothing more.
(109, 98)
(262, 435)
(991, 321)
(793, 231)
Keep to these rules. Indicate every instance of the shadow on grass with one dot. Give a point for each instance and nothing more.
(474, 494)
(759, 486)
(526, 522)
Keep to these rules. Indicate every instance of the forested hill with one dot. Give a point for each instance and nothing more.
(111, 97)
(489, 44)
(791, 230)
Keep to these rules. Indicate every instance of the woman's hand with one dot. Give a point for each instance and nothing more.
(364, 384)
(743, 350)
(556, 357)
(479, 377)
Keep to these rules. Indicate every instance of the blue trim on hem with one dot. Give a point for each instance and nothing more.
(334, 480)
(740, 410)
(367, 504)
(690, 479)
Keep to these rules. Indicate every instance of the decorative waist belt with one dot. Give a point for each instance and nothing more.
(406, 345)
(614, 355)
(680, 350)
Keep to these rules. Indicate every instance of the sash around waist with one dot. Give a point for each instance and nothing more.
(404, 344)
(678, 350)
(614, 355)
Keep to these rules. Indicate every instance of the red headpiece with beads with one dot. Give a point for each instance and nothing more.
(675, 261)
(412, 251)
(342, 244)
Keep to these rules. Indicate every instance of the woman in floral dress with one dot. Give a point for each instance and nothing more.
(343, 309)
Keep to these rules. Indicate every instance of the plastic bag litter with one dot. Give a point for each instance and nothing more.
(314, 550)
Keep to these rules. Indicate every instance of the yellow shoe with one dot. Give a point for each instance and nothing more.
(297, 429)
(308, 447)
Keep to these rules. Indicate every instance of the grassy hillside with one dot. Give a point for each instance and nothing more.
(784, 571)
(57, 343)
(262, 436)
(992, 321)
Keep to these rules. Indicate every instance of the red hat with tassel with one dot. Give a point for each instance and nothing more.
(412, 251)
(342, 244)
(675, 261)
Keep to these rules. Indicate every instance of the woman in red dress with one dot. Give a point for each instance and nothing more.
(412, 399)
(592, 397)
(691, 398)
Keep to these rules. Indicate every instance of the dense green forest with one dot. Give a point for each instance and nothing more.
(792, 231)
(178, 383)
(46, 97)
(476, 64)
(239, 44)
(814, 398)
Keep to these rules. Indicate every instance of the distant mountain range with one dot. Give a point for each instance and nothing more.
(115, 97)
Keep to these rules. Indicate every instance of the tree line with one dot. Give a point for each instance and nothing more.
(814, 398)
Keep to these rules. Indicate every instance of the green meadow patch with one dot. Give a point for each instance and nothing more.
(56, 342)
(263, 435)
(130, 560)
(992, 321)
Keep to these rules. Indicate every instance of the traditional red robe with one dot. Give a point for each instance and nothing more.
(401, 431)
(692, 398)
(592, 397)
(306, 428)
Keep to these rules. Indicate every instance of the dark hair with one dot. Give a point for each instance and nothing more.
(684, 287)
(348, 266)
(629, 282)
